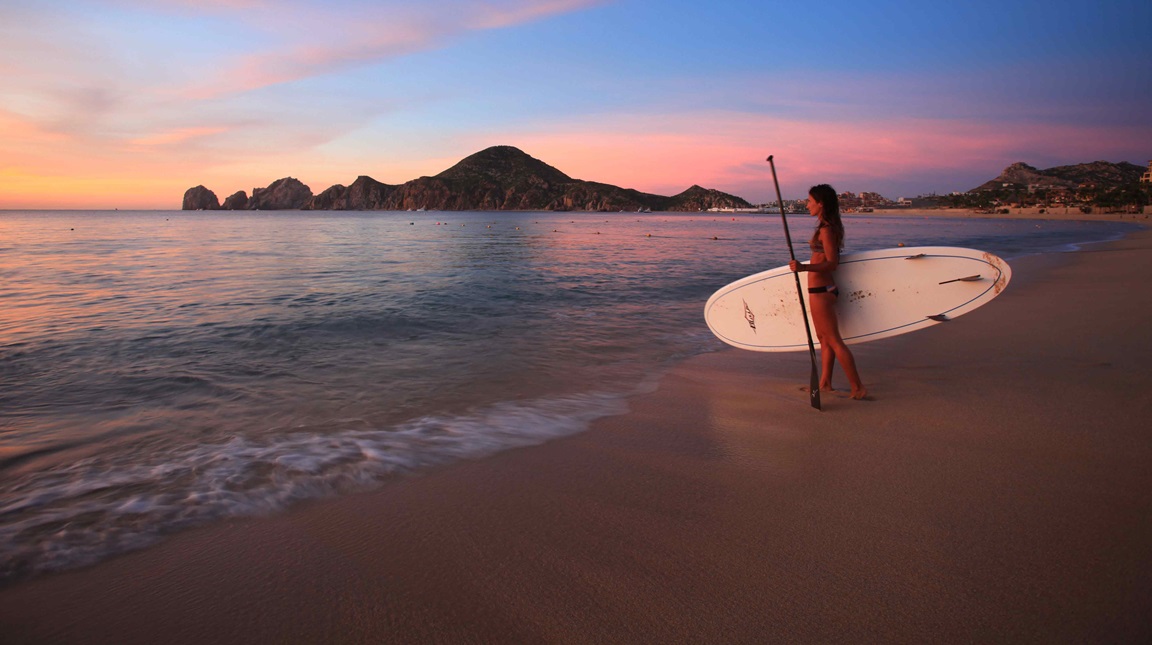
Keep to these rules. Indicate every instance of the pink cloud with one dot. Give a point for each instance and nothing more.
(368, 36)
(176, 136)
(202, 5)
(727, 151)
(494, 16)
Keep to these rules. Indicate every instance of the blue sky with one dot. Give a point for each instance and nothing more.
(126, 103)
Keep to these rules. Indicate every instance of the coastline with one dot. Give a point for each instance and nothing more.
(1032, 213)
(995, 490)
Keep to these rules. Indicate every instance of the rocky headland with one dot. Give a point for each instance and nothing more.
(497, 178)
(1096, 173)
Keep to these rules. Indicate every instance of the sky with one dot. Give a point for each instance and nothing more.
(128, 103)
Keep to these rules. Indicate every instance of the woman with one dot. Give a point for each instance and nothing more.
(826, 243)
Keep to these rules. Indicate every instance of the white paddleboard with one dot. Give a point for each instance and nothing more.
(882, 293)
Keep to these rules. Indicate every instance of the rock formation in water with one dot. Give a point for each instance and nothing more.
(236, 201)
(498, 178)
(200, 198)
(365, 194)
(283, 194)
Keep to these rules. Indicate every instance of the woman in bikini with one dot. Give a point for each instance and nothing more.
(826, 243)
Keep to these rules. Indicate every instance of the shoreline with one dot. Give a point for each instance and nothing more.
(996, 488)
(1059, 214)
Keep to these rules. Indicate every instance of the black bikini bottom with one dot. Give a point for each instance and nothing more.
(830, 288)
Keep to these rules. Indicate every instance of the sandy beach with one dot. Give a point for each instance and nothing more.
(997, 489)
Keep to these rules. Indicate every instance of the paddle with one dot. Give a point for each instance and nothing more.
(814, 385)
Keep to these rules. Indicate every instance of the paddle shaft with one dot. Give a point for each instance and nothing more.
(814, 381)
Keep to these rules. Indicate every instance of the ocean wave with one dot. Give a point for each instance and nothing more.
(83, 512)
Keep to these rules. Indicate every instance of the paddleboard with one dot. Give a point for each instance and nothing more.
(883, 293)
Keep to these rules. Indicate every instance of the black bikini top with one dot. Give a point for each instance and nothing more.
(815, 244)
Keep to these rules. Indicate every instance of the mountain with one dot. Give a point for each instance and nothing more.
(1097, 173)
(497, 178)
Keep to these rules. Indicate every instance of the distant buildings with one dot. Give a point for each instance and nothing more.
(1087, 188)
(863, 202)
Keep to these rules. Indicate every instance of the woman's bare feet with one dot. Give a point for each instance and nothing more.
(822, 389)
(861, 395)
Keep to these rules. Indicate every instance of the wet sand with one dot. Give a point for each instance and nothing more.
(998, 489)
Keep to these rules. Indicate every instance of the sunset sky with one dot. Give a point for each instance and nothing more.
(127, 103)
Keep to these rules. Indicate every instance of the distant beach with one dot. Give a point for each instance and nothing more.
(996, 489)
(1057, 213)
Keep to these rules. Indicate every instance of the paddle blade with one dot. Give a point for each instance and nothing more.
(814, 386)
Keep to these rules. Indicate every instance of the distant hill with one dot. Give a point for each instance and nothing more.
(1101, 174)
(497, 178)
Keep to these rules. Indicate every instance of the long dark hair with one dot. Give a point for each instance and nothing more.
(826, 196)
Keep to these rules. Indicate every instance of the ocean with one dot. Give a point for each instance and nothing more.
(165, 369)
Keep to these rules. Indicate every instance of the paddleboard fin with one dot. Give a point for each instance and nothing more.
(939, 318)
(971, 278)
